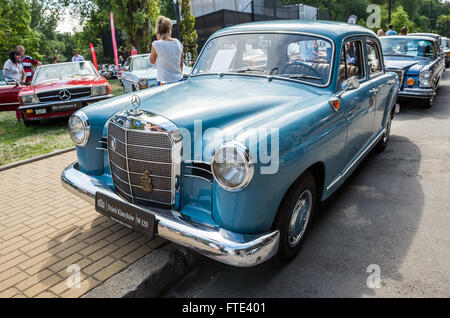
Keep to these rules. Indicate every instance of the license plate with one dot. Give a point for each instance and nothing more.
(64, 107)
(40, 111)
(125, 214)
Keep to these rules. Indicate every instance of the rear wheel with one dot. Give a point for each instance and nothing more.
(294, 216)
(382, 144)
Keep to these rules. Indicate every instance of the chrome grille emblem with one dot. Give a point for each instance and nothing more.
(113, 144)
(146, 182)
(64, 94)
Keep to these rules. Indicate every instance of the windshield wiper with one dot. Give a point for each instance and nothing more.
(245, 70)
(300, 76)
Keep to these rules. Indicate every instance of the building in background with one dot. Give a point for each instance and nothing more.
(213, 15)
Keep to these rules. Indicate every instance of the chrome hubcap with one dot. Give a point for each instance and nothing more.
(299, 218)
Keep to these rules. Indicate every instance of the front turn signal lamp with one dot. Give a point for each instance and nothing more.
(411, 81)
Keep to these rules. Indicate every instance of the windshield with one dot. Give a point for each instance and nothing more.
(407, 47)
(141, 63)
(64, 70)
(299, 57)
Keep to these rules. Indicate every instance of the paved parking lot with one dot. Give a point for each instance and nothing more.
(393, 214)
(44, 229)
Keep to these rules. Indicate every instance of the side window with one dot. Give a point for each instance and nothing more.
(373, 58)
(351, 62)
(129, 63)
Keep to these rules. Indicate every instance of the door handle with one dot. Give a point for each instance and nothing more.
(391, 82)
(373, 91)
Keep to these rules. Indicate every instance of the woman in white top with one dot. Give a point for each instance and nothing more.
(167, 53)
(13, 69)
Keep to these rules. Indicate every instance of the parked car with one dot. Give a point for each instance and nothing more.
(190, 161)
(8, 94)
(418, 63)
(108, 71)
(58, 90)
(446, 49)
(141, 74)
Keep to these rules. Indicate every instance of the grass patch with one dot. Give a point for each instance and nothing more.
(18, 142)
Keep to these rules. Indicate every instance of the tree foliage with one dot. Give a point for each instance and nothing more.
(138, 19)
(187, 29)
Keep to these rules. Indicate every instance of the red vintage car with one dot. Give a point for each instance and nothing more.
(58, 90)
(8, 94)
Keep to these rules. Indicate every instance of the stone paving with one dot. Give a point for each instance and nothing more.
(44, 229)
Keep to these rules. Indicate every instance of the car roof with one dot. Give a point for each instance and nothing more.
(410, 37)
(331, 29)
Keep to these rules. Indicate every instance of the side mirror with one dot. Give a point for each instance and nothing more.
(348, 85)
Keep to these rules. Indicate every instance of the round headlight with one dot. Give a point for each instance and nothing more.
(79, 128)
(232, 166)
(142, 82)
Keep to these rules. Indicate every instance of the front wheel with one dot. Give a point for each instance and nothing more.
(294, 217)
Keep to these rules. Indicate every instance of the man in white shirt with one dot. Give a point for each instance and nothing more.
(77, 57)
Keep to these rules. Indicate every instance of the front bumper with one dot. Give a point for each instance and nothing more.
(79, 101)
(422, 93)
(219, 244)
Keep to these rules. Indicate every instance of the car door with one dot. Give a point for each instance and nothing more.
(380, 83)
(358, 104)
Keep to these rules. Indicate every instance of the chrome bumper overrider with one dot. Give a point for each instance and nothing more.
(219, 244)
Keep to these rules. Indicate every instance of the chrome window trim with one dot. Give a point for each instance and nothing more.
(330, 74)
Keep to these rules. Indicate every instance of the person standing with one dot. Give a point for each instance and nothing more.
(77, 57)
(13, 70)
(134, 51)
(55, 60)
(27, 63)
(404, 31)
(167, 53)
(391, 30)
(380, 32)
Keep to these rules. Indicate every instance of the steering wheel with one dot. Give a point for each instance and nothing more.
(315, 73)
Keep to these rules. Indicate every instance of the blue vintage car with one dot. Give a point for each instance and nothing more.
(141, 74)
(418, 62)
(232, 162)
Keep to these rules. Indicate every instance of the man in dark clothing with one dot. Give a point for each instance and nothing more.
(27, 62)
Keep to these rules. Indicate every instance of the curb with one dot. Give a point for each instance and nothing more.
(151, 276)
(37, 158)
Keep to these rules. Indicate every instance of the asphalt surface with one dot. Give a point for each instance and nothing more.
(393, 212)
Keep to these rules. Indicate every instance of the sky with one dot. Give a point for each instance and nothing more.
(69, 22)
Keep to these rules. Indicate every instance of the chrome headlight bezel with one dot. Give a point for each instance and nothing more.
(247, 164)
(425, 78)
(79, 123)
(99, 90)
(29, 99)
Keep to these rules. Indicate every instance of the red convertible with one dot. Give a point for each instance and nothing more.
(8, 94)
(58, 90)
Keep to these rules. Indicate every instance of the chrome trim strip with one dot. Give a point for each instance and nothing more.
(368, 148)
(143, 146)
(216, 243)
(128, 168)
(198, 168)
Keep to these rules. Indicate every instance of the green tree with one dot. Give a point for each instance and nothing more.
(400, 19)
(15, 16)
(187, 29)
(137, 18)
(167, 9)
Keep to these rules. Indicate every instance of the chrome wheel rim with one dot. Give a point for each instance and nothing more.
(388, 129)
(299, 218)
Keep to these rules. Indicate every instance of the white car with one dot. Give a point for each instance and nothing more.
(140, 74)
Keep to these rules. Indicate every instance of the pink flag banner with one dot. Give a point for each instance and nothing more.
(94, 57)
(113, 35)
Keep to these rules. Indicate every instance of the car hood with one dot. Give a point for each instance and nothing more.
(394, 62)
(148, 73)
(64, 83)
(221, 102)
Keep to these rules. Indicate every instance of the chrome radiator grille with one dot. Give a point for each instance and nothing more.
(137, 155)
(400, 74)
(75, 93)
